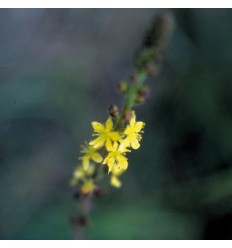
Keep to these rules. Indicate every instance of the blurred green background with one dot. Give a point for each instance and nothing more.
(59, 70)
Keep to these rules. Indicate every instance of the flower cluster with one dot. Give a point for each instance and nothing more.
(109, 148)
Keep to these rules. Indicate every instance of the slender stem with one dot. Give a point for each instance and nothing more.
(131, 96)
(85, 207)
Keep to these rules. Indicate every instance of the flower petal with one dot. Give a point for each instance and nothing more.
(123, 163)
(98, 142)
(111, 162)
(85, 161)
(115, 136)
(138, 126)
(127, 130)
(124, 145)
(97, 127)
(114, 181)
(133, 119)
(117, 171)
(109, 124)
(97, 157)
(105, 160)
(109, 145)
(135, 144)
(87, 187)
(78, 172)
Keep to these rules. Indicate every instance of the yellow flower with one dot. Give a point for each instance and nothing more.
(116, 157)
(88, 186)
(114, 181)
(90, 153)
(105, 134)
(81, 174)
(132, 132)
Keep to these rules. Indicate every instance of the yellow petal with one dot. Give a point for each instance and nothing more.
(117, 171)
(114, 147)
(133, 119)
(90, 170)
(127, 130)
(105, 160)
(78, 173)
(87, 187)
(98, 142)
(109, 124)
(85, 161)
(96, 157)
(138, 126)
(135, 144)
(109, 168)
(115, 136)
(123, 162)
(109, 145)
(124, 145)
(111, 162)
(97, 127)
(114, 181)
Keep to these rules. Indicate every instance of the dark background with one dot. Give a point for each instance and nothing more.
(58, 72)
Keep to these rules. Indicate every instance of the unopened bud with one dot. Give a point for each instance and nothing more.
(77, 195)
(98, 192)
(123, 86)
(83, 220)
(160, 31)
(154, 43)
(144, 92)
(80, 220)
(152, 69)
(113, 110)
(139, 99)
(133, 77)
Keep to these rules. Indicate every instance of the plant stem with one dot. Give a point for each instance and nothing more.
(131, 96)
(85, 207)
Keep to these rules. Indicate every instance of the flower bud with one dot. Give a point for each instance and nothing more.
(152, 69)
(139, 99)
(123, 86)
(80, 220)
(113, 110)
(83, 220)
(98, 192)
(144, 92)
(77, 195)
(154, 43)
(160, 31)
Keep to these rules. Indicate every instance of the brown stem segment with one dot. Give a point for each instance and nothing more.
(82, 220)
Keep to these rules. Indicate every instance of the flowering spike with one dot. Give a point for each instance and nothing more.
(121, 132)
